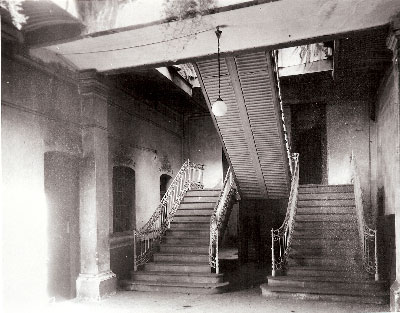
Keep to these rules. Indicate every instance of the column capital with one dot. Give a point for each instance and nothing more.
(91, 82)
(94, 90)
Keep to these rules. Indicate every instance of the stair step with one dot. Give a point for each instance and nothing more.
(181, 248)
(320, 203)
(325, 224)
(315, 282)
(326, 217)
(196, 205)
(183, 257)
(326, 196)
(199, 212)
(323, 242)
(202, 267)
(188, 277)
(179, 287)
(192, 218)
(324, 294)
(203, 193)
(204, 199)
(320, 271)
(339, 252)
(325, 188)
(323, 232)
(296, 260)
(326, 210)
(188, 232)
(187, 225)
(187, 240)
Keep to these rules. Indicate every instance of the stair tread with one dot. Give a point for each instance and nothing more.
(176, 284)
(325, 279)
(178, 253)
(184, 245)
(190, 263)
(320, 268)
(330, 291)
(321, 257)
(297, 236)
(189, 274)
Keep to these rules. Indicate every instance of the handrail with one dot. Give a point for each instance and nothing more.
(274, 59)
(283, 235)
(218, 217)
(368, 237)
(190, 176)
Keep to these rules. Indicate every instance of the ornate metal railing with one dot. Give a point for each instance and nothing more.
(190, 176)
(368, 238)
(281, 237)
(217, 219)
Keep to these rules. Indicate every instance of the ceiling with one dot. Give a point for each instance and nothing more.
(268, 25)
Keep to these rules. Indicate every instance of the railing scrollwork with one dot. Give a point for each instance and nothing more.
(368, 237)
(190, 176)
(218, 217)
(281, 237)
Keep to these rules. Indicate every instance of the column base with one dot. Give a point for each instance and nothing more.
(395, 297)
(96, 287)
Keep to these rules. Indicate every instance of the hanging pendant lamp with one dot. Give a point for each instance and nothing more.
(219, 107)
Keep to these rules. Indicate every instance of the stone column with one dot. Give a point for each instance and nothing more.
(394, 45)
(95, 280)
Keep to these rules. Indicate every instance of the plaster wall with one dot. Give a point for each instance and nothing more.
(40, 113)
(348, 129)
(387, 137)
(148, 143)
(205, 147)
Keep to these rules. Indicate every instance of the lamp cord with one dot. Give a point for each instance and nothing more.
(218, 32)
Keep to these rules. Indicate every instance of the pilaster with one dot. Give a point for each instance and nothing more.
(393, 43)
(95, 280)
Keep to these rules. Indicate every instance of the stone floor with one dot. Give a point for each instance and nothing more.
(244, 296)
(248, 301)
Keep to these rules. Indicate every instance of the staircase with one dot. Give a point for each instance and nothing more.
(182, 262)
(252, 130)
(325, 258)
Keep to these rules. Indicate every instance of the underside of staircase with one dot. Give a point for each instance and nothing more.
(182, 262)
(252, 130)
(325, 261)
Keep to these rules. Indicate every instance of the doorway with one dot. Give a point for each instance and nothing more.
(165, 181)
(124, 213)
(61, 182)
(309, 140)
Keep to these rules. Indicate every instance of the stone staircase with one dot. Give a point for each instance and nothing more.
(325, 261)
(181, 264)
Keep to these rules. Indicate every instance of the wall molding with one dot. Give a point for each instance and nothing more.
(40, 114)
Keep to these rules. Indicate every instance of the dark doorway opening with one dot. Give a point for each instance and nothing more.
(165, 181)
(309, 140)
(61, 182)
(124, 214)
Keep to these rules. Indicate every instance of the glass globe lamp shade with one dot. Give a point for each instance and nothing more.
(219, 107)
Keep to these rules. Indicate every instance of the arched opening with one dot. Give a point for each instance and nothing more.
(165, 181)
(124, 215)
